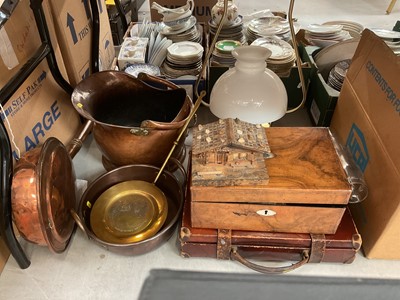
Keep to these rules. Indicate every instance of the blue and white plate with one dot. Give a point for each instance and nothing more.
(135, 69)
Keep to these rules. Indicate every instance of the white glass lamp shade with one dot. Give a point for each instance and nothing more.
(249, 91)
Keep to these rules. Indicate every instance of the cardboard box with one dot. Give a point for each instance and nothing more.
(367, 121)
(73, 25)
(20, 39)
(38, 110)
(202, 9)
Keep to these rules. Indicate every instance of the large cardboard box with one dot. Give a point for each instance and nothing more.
(367, 121)
(38, 110)
(73, 25)
(20, 39)
(202, 9)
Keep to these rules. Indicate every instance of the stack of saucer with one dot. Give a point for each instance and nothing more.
(353, 28)
(390, 37)
(222, 53)
(266, 27)
(233, 31)
(189, 31)
(338, 73)
(326, 35)
(282, 56)
(183, 58)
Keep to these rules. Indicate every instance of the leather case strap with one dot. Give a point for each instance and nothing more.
(224, 243)
(318, 246)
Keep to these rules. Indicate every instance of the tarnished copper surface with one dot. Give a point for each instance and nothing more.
(24, 199)
(134, 122)
(43, 192)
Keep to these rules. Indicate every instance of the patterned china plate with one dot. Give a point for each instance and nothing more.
(135, 69)
(279, 48)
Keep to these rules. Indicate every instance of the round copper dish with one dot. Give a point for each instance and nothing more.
(129, 212)
(42, 195)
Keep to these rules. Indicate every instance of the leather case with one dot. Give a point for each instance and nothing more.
(242, 245)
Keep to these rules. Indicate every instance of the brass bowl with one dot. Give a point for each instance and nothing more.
(130, 211)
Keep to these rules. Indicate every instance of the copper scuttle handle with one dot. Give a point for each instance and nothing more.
(76, 143)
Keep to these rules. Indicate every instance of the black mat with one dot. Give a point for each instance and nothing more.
(177, 285)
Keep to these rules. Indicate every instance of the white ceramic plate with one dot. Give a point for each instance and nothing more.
(185, 49)
(317, 28)
(347, 25)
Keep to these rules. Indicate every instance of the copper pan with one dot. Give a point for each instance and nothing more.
(43, 192)
(171, 187)
(135, 120)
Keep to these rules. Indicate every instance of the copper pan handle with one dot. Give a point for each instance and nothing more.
(76, 143)
(78, 222)
(269, 270)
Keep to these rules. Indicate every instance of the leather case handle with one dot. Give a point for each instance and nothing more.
(269, 270)
(225, 250)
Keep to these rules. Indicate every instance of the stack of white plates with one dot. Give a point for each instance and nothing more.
(157, 48)
(183, 58)
(326, 35)
(353, 28)
(282, 56)
(266, 27)
(229, 32)
(189, 32)
(390, 37)
(338, 73)
(222, 53)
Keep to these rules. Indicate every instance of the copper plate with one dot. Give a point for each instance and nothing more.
(56, 194)
(128, 212)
